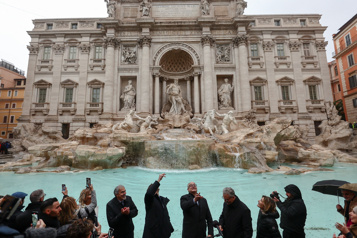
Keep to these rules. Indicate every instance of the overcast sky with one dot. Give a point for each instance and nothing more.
(16, 18)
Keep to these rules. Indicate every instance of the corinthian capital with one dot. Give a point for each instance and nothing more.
(33, 49)
(85, 48)
(320, 45)
(112, 41)
(239, 40)
(144, 41)
(294, 45)
(58, 48)
(207, 40)
(268, 45)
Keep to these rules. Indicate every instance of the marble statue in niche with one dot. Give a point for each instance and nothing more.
(173, 91)
(224, 93)
(128, 96)
(129, 55)
(223, 54)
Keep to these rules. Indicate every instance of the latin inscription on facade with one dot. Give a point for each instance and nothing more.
(176, 11)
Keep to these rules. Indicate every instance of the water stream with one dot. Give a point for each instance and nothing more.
(322, 213)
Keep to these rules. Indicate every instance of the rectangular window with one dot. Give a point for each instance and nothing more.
(258, 93)
(12, 119)
(2, 85)
(336, 71)
(4, 120)
(7, 105)
(351, 61)
(306, 47)
(74, 26)
(13, 105)
(353, 81)
(9, 93)
(42, 95)
(99, 25)
(46, 52)
(285, 92)
(72, 52)
(69, 95)
(354, 101)
(280, 49)
(15, 93)
(98, 52)
(339, 87)
(49, 26)
(3, 133)
(313, 92)
(18, 82)
(276, 22)
(252, 23)
(348, 40)
(302, 22)
(254, 50)
(95, 94)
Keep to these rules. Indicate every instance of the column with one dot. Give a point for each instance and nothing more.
(164, 91)
(145, 81)
(196, 92)
(58, 50)
(157, 93)
(241, 42)
(30, 79)
(237, 91)
(83, 76)
(188, 81)
(207, 42)
(111, 43)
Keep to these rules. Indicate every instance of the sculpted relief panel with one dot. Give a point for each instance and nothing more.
(179, 11)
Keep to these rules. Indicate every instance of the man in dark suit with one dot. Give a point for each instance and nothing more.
(196, 214)
(235, 220)
(120, 212)
(157, 219)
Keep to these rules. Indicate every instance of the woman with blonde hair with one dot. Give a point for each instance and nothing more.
(267, 227)
(67, 215)
(88, 205)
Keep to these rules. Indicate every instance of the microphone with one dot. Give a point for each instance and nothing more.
(216, 225)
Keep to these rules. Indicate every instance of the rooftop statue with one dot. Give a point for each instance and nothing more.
(145, 7)
(241, 6)
(205, 7)
(111, 7)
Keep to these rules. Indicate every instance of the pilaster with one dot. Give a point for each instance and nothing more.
(207, 43)
(326, 84)
(145, 80)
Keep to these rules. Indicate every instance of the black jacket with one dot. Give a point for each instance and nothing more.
(157, 219)
(122, 224)
(293, 211)
(236, 220)
(24, 220)
(195, 217)
(49, 221)
(267, 226)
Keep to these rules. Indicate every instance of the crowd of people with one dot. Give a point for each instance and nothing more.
(72, 219)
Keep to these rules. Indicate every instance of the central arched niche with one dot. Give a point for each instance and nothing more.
(176, 61)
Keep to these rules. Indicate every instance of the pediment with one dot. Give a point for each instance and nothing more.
(280, 39)
(46, 42)
(95, 82)
(69, 82)
(254, 39)
(42, 82)
(285, 80)
(312, 79)
(258, 80)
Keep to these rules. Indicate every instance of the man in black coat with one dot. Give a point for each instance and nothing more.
(50, 211)
(24, 220)
(157, 219)
(120, 213)
(235, 220)
(293, 213)
(196, 214)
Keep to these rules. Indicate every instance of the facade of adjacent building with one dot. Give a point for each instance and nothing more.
(345, 42)
(79, 68)
(12, 93)
(335, 81)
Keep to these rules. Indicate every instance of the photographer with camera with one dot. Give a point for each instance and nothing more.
(293, 212)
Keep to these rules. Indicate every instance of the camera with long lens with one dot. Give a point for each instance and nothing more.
(274, 195)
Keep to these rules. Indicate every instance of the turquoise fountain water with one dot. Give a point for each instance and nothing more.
(321, 218)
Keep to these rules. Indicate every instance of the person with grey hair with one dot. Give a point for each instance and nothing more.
(120, 213)
(24, 220)
(235, 220)
(196, 214)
